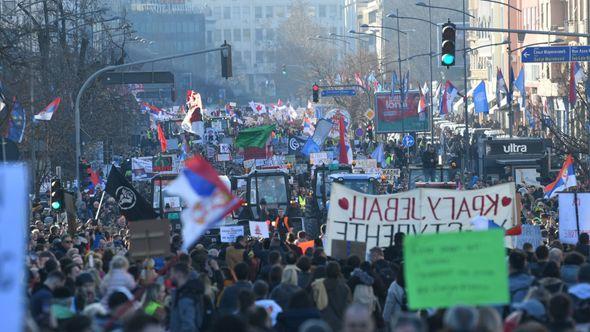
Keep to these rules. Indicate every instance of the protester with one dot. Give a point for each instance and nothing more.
(187, 311)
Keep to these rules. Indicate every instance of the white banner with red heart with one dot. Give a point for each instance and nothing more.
(375, 219)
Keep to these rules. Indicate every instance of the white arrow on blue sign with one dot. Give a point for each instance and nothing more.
(408, 141)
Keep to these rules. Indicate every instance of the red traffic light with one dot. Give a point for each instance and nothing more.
(315, 87)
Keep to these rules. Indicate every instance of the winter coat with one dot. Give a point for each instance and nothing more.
(290, 320)
(233, 256)
(339, 297)
(282, 294)
(569, 274)
(393, 301)
(228, 301)
(187, 309)
(519, 284)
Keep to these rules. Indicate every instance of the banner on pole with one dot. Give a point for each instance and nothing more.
(568, 223)
(374, 219)
(394, 117)
(229, 234)
(141, 169)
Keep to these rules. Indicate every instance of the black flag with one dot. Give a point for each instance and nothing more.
(132, 205)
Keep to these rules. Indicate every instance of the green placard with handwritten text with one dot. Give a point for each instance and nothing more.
(447, 269)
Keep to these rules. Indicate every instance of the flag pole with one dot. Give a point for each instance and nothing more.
(99, 205)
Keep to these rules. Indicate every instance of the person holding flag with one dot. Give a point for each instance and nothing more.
(566, 178)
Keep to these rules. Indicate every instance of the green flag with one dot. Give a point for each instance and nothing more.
(254, 137)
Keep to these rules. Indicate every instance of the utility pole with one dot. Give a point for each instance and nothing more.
(510, 88)
(465, 109)
(431, 92)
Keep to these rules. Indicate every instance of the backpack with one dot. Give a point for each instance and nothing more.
(363, 294)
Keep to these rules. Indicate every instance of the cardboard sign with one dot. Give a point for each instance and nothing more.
(530, 234)
(149, 238)
(568, 223)
(468, 268)
(14, 208)
(374, 219)
(223, 157)
(259, 229)
(365, 165)
(318, 158)
(224, 148)
(229, 234)
(163, 164)
(344, 249)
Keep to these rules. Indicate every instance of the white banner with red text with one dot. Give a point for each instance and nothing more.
(374, 219)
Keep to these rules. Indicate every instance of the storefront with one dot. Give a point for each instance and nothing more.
(523, 159)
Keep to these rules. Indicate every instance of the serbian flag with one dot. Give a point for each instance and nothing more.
(421, 105)
(576, 76)
(207, 198)
(162, 139)
(448, 96)
(47, 113)
(566, 178)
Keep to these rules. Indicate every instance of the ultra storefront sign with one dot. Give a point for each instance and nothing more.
(514, 147)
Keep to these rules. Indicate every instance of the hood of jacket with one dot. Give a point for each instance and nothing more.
(581, 291)
(520, 280)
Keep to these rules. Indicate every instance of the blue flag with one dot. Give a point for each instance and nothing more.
(519, 84)
(379, 154)
(480, 100)
(17, 123)
(310, 147)
(393, 82)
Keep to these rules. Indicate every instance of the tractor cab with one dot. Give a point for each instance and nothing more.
(320, 183)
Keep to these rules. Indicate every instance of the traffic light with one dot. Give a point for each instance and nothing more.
(284, 70)
(226, 68)
(447, 57)
(316, 93)
(56, 195)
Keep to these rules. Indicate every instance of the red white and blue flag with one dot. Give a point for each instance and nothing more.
(566, 178)
(47, 113)
(421, 105)
(207, 198)
(448, 96)
(501, 87)
(576, 76)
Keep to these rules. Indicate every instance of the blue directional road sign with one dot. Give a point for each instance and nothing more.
(408, 141)
(555, 54)
(343, 92)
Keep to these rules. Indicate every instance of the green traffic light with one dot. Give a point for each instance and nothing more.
(448, 59)
(284, 72)
(55, 205)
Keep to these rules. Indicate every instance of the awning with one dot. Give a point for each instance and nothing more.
(519, 161)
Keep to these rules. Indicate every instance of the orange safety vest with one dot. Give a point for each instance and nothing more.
(275, 223)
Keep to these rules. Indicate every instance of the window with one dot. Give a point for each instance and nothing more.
(210, 37)
(258, 12)
(269, 11)
(226, 13)
(237, 35)
(237, 56)
(333, 11)
(322, 11)
(217, 35)
(270, 34)
(247, 57)
(236, 11)
(246, 12)
(259, 57)
(258, 34)
(217, 12)
(373, 16)
(246, 34)
(280, 11)
(227, 34)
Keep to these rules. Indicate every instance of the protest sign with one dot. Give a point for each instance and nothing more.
(229, 234)
(365, 166)
(354, 216)
(223, 157)
(318, 158)
(14, 209)
(149, 238)
(224, 148)
(141, 169)
(447, 269)
(530, 234)
(259, 229)
(249, 163)
(163, 163)
(571, 225)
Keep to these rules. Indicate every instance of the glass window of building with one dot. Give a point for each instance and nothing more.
(373, 16)
(235, 12)
(246, 12)
(258, 12)
(333, 11)
(269, 11)
(227, 34)
(322, 11)
(217, 35)
(226, 13)
(270, 34)
(280, 11)
(259, 57)
(247, 57)
(237, 35)
(209, 37)
(258, 34)
(246, 34)
(217, 12)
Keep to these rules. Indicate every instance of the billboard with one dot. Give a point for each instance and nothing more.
(392, 117)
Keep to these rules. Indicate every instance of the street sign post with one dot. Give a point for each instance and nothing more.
(340, 92)
(555, 54)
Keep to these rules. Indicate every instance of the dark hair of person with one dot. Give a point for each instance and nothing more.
(181, 268)
(300, 300)
(333, 270)
(276, 274)
(139, 322)
(304, 263)
(242, 271)
(551, 270)
(542, 252)
(560, 307)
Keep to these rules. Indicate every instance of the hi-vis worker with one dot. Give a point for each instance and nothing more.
(280, 224)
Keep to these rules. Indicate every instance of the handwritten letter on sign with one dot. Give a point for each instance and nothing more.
(442, 270)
